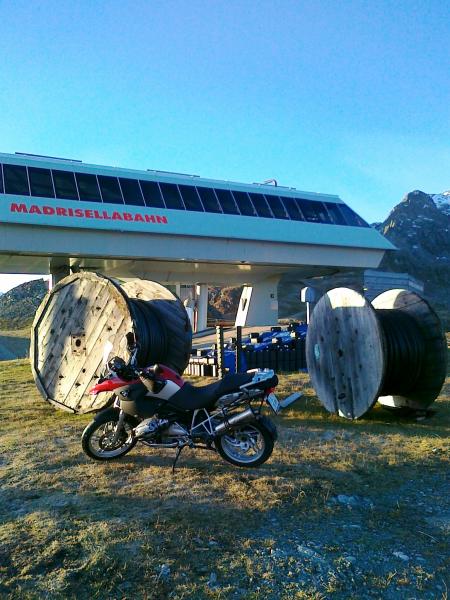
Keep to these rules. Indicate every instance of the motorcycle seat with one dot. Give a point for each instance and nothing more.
(191, 397)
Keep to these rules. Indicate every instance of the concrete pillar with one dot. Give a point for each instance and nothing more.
(201, 290)
(189, 306)
(259, 303)
(58, 271)
(185, 291)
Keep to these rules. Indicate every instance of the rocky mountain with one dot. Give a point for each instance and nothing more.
(442, 201)
(419, 226)
(18, 306)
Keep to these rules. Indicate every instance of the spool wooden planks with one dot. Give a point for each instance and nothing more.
(347, 358)
(83, 314)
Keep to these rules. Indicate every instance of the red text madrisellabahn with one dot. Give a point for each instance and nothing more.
(60, 211)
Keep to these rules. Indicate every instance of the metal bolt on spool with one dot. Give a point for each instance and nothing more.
(86, 311)
(393, 350)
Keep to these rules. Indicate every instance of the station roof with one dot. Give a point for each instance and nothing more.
(176, 217)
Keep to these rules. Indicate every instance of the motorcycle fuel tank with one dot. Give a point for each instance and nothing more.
(137, 401)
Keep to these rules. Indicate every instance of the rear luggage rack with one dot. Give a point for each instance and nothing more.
(259, 376)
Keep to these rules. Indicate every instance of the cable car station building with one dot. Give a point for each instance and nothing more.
(60, 216)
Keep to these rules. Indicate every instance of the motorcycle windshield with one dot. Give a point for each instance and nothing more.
(107, 351)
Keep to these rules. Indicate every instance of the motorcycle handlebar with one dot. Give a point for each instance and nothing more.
(149, 372)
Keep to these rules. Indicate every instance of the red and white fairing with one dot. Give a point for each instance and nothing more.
(173, 383)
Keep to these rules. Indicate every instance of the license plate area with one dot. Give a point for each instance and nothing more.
(273, 402)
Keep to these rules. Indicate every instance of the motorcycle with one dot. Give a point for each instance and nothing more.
(155, 407)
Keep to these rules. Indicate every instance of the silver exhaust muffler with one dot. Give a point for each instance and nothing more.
(222, 427)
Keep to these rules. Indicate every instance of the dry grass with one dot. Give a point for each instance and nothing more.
(72, 528)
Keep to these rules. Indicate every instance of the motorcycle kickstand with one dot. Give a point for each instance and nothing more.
(177, 456)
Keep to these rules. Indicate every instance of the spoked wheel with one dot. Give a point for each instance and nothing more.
(249, 445)
(98, 439)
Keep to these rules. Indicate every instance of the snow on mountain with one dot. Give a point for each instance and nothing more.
(442, 201)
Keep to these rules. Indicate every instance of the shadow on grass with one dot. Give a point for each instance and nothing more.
(310, 412)
(86, 545)
(101, 506)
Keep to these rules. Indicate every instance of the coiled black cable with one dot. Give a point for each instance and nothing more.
(405, 352)
(150, 331)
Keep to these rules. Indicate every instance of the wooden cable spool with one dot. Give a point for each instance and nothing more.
(86, 311)
(393, 350)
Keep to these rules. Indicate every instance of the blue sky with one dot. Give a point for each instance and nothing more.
(347, 97)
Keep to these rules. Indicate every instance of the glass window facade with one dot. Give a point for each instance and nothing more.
(245, 204)
(209, 200)
(45, 183)
(191, 198)
(292, 208)
(16, 180)
(65, 186)
(335, 213)
(313, 211)
(110, 189)
(351, 217)
(261, 206)
(41, 182)
(152, 194)
(226, 201)
(279, 212)
(88, 187)
(172, 196)
(131, 191)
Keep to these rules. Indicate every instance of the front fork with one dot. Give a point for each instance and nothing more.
(119, 426)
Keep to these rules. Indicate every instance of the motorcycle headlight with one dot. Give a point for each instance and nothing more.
(116, 364)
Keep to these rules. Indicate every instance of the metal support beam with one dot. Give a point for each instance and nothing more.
(220, 352)
(201, 290)
(238, 349)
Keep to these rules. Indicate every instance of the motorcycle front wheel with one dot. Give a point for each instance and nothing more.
(248, 445)
(97, 439)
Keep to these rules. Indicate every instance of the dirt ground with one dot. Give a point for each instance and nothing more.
(343, 510)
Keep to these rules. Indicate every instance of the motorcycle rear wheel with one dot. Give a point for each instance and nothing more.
(97, 438)
(248, 445)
